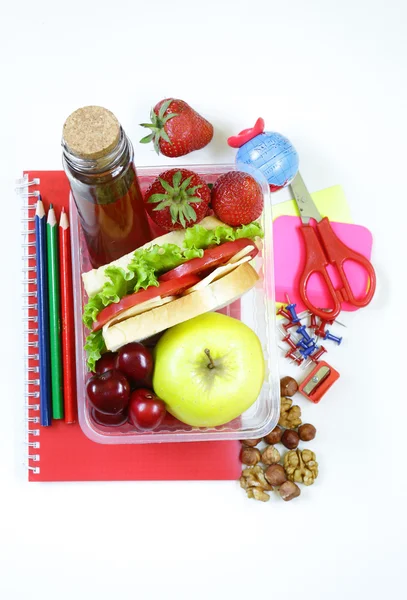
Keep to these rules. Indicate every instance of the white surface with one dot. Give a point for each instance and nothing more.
(332, 77)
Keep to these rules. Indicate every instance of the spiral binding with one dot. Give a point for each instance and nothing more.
(29, 198)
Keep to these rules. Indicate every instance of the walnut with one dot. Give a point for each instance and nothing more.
(290, 416)
(255, 483)
(258, 494)
(255, 478)
(301, 466)
(270, 456)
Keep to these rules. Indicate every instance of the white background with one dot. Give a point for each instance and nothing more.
(331, 75)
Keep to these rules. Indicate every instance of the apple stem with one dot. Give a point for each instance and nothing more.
(211, 364)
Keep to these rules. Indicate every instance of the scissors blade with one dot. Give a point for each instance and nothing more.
(305, 203)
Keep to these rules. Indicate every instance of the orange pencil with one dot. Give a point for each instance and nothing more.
(67, 322)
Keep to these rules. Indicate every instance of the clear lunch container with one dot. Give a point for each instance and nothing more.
(256, 309)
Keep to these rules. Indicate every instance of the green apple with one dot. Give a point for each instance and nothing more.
(208, 370)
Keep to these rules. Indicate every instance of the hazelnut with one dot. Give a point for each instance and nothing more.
(270, 456)
(288, 386)
(306, 432)
(251, 443)
(274, 437)
(289, 490)
(250, 456)
(275, 475)
(290, 439)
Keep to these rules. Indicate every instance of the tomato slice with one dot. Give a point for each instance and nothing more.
(211, 258)
(173, 287)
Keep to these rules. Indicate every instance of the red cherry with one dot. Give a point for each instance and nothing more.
(136, 362)
(109, 392)
(108, 420)
(146, 410)
(107, 362)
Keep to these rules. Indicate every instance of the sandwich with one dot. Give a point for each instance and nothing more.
(171, 279)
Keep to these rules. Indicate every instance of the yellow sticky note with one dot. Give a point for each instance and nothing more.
(330, 202)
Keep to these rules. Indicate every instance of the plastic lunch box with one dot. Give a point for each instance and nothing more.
(257, 310)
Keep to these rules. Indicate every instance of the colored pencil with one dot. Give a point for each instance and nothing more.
(67, 322)
(43, 315)
(54, 315)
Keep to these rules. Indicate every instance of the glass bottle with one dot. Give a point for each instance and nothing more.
(98, 160)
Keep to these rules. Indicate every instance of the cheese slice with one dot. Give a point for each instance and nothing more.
(216, 274)
(138, 309)
(241, 254)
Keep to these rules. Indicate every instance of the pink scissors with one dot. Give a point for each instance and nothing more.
(327, 249)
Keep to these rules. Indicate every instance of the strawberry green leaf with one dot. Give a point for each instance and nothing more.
(163, 204)
(164, 107)
(181, 218)
(185, 183)
(191, 191)
(157, 198)
(190, 212)
(166, 185)
(176, 179)
(147, 139)
(168, 117)
(174, 213)
(165, 137)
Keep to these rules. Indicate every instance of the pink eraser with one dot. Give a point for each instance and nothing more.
(289, 260)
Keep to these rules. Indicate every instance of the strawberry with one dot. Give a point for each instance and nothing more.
(237, 198)
(178, 198)
(176, 128)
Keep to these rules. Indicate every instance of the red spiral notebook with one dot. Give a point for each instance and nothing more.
(62, 452)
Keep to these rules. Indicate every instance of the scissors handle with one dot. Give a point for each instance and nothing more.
(332, 251)
(338, 253)
(316, 263)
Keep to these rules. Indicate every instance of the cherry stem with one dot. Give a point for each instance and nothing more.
(211, 364)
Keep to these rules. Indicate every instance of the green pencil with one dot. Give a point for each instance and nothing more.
(54, 316)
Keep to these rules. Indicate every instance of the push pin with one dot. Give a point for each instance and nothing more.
(334, 338)
(313, 321)
(320, 331)
(288, 325)
(288, 340)
(317, 355)
(291, 308)
(314, 357)
(284, 313)
(304, 333)
(301, 344)
(294, 357)
(306, 352)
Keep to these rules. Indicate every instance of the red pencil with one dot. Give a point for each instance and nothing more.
(67, 322)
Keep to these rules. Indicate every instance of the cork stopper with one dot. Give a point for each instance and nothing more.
(91, 132)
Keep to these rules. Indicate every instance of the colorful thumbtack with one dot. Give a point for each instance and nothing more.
(334, 338)
(288, 340)
(284, 313)
(291, 308)
(294, 357)
(304, 333)
(313, 321)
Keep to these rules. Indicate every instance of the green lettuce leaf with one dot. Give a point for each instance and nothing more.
(199, 237)
(94, 346)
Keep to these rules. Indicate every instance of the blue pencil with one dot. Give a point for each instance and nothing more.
(43, 315)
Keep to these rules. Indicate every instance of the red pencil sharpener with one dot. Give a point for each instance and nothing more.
(318, 382)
